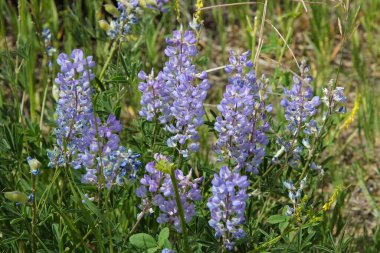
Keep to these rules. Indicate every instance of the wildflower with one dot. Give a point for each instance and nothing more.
(243, 122)
(352, 115)
(299, 102)
(127, 17)
(196, 23)
(289, 211)
(49, 49)
(115, 161)
(227, 205)
(86, 197)
(31, 198)
(157, 190)
(288, 185)
(331, 200)
(300, 106)
(83, 141)
(294, 195)
(334, 98)
(74, 111)
(175, 96)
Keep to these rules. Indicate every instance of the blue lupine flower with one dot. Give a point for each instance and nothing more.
(334, 98)
(299, 102)
(227, 205)
(128, 10)
(157, 190)
(31, 198)
(74, 111)
(83, 141)
(175, 96)
(289, 211)
(243, 122)
(116, 162)
(294, 194)
(300, 106)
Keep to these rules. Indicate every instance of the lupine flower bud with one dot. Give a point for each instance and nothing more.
(34, 165)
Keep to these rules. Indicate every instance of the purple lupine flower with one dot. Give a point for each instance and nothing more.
(243, 122)
(82, 140)
(128, 10)
(115, 161)
(299, 102)
(175, 96)
(294, 194)
(74, 111)
(50, 50)
(157, 190)
(227, 205)
(300, 106)
(334, 98)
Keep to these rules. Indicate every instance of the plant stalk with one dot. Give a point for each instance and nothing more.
(34, 215)
(179, 205)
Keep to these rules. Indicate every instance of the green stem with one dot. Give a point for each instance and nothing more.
(113, 49)
(108, 223)
(34, 215)
(179, 205)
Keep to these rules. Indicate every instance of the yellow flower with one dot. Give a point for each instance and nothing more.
(332, 199)
(198, 13)
(352, 115)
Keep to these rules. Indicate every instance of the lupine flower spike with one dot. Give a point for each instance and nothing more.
(227, 206)
(157, 190)
(175, 96)
(300, 106)
(82, 140)
(243, 124)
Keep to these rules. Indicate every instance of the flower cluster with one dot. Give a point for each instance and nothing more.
(107, 155)
(300, 106)
(175, 96)
(157, 190)
(294, 195)
(299, 102)
(243, 122)
(334, 98)
(50, 50)
(127, 17)
(227, 205)
(74, 111)
(82, 140)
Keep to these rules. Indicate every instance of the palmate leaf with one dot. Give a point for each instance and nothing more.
(143, 241)
(163, 236)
